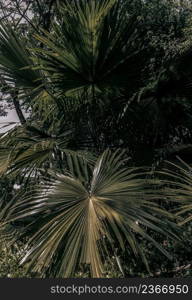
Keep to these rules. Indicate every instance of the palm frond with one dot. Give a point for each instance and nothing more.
(178, 188)
(29, 150)
(8, 232)
(15, 59)
(91, 47)
(83, 221)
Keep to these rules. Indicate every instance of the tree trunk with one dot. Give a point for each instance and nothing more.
(14, 95)
(18, 108)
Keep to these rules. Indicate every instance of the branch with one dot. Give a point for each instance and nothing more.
(14, 94)
(24, 16)
(18, 107)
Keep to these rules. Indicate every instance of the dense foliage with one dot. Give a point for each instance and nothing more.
(102, 90)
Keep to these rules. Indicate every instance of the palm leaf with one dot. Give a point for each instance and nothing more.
(30, 151)
(8, 232)
(178, 188)
(82, 221)
(15, 60)
(92, 46)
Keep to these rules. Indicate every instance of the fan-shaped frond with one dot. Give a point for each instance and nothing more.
(15, 60)
(94, 47)
(178, 188)
(29, 150)
(82, 221)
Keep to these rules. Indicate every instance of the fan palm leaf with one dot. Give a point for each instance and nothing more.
(92, 46)
(83, 221)
(15, 59)
(8, 232)
(178, 188)
(29, 150)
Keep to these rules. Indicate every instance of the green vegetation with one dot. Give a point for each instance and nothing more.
(86, 189)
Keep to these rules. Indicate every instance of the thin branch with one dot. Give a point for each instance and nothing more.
(23, 14)
(14, 94)
(18, 108)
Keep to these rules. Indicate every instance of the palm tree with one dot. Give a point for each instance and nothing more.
(107, 56)
(77, 80)
(60, 80)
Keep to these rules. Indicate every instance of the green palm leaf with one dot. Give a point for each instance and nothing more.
(15, 60)
(30, 151)
(80, 222)
(93, 46)
(8, 232)
(178, 188)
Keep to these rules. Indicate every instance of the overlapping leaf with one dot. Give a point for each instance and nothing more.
(29, 150)
(15, 60)
(94, 47)
(178, 188)
(82, 221)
